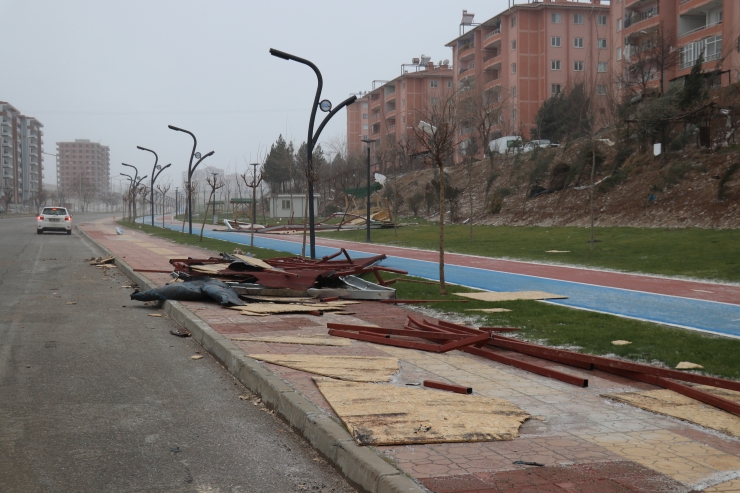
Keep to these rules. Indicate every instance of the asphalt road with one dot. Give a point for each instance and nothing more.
(98, 396)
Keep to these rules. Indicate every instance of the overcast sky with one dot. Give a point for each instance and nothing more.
(119, 72)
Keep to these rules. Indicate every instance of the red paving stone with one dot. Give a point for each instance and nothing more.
(572, 463)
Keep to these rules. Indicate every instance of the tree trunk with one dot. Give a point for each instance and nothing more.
(305, 222)
(205, 215)
(470, 194)
(442, 289)
(591, 193)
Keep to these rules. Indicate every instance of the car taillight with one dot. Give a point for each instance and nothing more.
(41, 218)
(67, 218)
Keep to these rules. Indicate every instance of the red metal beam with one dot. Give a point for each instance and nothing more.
(537, 351)
(435, 348)
(531, 367)
(694, 393)
(422, 301)
(603, 362)
(448, 386)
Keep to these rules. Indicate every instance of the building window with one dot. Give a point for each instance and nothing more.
(555, 89)
(513, 68)
(364, 105)
(433, 101)
(577, 18)
(578, 66)
(449, 84)
(577, 42)
(601, 43)
(619, 25)
(286, 205)
(601, 90)
(513, 115)
(555, 18)
(619, 53)
(513, 44)
(364, 116)
(601, 67)
(513, 91)
(555, 41)
(432, 83)
(555, 65)
(601, 20)
(364, 127)
(513, 21)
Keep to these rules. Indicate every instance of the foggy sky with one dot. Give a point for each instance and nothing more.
(119, 72)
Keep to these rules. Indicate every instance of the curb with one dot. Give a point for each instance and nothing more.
(361, 466)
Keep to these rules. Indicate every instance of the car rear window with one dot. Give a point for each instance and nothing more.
(55, 211)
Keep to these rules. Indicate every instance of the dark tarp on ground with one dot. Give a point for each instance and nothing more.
(198, 288)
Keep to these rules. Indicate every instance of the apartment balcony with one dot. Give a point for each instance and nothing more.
(492, 39)
(686, 6)
(390, 97)
(638, 17)
(496, 81)
(466, 51)
(390, 112)
(391, 129)
(702, 32)
(469, 70)
(493, 63)
(696, 19)
(6, 143)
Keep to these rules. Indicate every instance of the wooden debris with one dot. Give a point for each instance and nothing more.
(356, 368)
(317, 340)
(99, 261)
(687, 365)
(670, 403)
(387, 415)
(620, 342)
(278, 308)
(557, 251)
(254, 262)
(488, 310)
(71, 302)
(511, 296)
(155, 314)
(196, 356)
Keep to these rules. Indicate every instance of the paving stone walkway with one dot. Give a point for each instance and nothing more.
(585, 442)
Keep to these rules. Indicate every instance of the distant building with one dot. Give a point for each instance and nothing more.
(82, 163)
(691, 27)
(392, 108)
(285, 205)
(21, 156)
(358, 125)
(202, 173)
(534, 51)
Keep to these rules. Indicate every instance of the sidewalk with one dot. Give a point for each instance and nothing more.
(586, 442)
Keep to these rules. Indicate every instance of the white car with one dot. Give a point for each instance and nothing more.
(54, 219)
(532, 144)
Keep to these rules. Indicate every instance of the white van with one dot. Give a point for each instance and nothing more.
(503, 145)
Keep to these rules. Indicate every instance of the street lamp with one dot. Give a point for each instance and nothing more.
(326, 107)
(191, 169)
(154, 177)
(367, 226)
(176, 211)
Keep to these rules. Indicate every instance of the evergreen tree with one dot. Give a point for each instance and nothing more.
(693, 88)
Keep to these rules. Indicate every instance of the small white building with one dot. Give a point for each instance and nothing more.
(283, 205)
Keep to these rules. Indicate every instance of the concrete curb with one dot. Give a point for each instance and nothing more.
(361, 466)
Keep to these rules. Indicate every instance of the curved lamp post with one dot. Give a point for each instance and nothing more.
(191, 170)
(325, 106)
(131, 184)
(154, 176)
(134, 184)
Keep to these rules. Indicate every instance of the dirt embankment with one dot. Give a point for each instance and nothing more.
(689, 188)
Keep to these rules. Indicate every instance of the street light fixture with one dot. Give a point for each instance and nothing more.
(154, 177)
(367, 226)
(191, 170)
(326, 107)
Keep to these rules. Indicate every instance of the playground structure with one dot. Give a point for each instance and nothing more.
(241, 209)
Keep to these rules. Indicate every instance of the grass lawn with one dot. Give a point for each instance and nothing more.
(692, 252)
(543, 322)
(207, 243)
(592, 332)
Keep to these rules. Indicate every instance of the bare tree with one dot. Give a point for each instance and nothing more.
(482, 110)
(649, 55)
(87, 192)
(215, 182)
(163, 189)
(255, 182)
(437, 137)
(7, 189)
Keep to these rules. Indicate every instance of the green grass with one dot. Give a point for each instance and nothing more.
(207, 243)
(592, 332)
(692, 252)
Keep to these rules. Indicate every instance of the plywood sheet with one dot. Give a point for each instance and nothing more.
(163, 251)
(209, 268)
(254, 262)
(488, 310)
(679, 406)
(308, 340)
(388, 415)
(356, 368)
(277, 308)
(511, 296)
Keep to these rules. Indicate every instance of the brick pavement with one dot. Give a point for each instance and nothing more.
(586, 443)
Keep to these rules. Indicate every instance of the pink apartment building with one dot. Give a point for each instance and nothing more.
(389, 112)
(534, 51)
(692, 26)
(21, 155)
